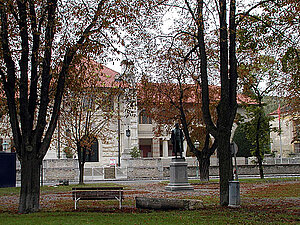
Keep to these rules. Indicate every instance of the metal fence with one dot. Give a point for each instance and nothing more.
(105, 172)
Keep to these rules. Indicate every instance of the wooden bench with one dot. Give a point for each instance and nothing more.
(98, 193)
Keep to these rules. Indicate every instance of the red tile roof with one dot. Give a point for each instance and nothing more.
(105, 76)
(108, 79)
(190, 93)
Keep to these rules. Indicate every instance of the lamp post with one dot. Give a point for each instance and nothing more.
(119, 132)
(128, 134)
(58, 139)
(197, 145)
(119, 80)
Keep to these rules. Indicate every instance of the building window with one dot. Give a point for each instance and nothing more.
(144, 119)
(4, 144)
(87, 102)
(107, 103)
(145, 145)
(297, 147)
(296, 130)
(91, 152)
(92, 155)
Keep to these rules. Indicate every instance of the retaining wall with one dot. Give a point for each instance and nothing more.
(67, 169)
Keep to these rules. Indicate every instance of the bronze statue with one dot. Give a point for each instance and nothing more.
(177, 140)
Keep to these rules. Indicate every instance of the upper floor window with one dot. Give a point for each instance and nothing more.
(107, 103)
(4, 144)
(144, 119)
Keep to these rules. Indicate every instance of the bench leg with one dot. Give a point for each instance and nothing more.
(120, 202)
(76, 200)
(120, 196)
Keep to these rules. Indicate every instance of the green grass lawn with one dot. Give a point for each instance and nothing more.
(214, 215)
(268, 201)
(53, 189)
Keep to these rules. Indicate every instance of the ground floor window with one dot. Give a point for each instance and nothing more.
(145, 146)
(297, 147)
(92, 154)
(5, 145)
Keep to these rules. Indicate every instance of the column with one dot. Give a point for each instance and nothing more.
(165, 148)
(155, 148)
(184, 148)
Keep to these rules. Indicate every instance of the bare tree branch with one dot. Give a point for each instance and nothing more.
(10, 80)
(61, 80)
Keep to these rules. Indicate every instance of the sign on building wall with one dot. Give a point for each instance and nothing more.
(112, 162)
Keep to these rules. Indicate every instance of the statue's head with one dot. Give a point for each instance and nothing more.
(176, 125)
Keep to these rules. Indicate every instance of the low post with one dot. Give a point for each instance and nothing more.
(234, 186)
(234, 193)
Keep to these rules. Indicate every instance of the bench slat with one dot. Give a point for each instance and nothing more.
(97, 194)
(97, 188)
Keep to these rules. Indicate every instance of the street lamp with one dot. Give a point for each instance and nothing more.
(128, 132)
(197, 145)
(119, 120)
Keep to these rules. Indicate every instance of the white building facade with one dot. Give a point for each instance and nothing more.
(287, 142)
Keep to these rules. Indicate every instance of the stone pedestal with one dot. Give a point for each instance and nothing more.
(126, 153)
(178, 176)
(125, 157)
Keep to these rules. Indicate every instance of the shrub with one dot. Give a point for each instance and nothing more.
(135, 152)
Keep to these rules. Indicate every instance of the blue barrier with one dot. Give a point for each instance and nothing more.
(7, 169)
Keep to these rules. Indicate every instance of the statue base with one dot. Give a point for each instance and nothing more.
(178, 176)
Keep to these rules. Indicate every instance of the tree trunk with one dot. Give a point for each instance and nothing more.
(225, 168)
(204, 163)
(261, 169)
(258, 150)
(30, 184)
(81, 160)
(81, 172)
